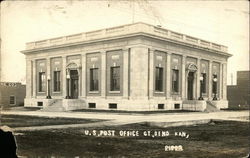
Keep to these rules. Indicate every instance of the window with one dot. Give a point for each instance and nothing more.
(112, 106)
(57, 81)
(115, 78)
(12, 100)
(159, 79)
(42, 82)
(175, 81)
(214, 84)
(93, 79)
(39, 103)
(203, 83)
(176, 106)
(160, 106)
(92, 105)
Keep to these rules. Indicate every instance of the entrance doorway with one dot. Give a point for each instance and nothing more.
(190, 87)
(74, 84)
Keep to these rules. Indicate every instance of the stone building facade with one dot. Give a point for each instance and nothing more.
(130, 67)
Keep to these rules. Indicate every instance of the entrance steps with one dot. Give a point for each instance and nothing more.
(74, 104)
(211, 107)
(65, 105)
(57, 105)
(194, 105)
(199, 105)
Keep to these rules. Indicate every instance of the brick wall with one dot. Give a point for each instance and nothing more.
(18, 91)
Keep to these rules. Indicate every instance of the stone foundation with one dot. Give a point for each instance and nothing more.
(126, 104)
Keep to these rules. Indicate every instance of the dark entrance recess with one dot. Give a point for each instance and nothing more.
(190, 85)
(74, 84)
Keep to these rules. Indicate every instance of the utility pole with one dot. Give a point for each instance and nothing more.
(0, 60)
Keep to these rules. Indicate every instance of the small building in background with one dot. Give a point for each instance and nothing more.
(239, 95)
(12, 94)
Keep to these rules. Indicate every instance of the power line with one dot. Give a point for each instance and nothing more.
(169, 20)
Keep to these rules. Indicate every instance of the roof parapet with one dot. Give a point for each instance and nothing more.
(123, 30)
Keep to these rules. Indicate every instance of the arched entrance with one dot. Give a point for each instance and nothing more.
(191, 69)
(73, 80)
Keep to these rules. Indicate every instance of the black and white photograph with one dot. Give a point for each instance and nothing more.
(124, 79)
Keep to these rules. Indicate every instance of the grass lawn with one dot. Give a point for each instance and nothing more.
(27, 121)
(225, 139)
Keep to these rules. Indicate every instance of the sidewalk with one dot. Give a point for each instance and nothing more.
(184, 118)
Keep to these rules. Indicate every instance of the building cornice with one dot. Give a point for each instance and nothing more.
(26, 52)
(125, 31)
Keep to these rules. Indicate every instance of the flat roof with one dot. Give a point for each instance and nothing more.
(121, 31)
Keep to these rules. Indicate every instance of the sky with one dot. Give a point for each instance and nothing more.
(222, 22)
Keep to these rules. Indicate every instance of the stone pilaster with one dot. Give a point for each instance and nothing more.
(84, 70)
(224, 82)
(221, 82)
(210, 79)
(151, 73)
(103, 74)
(125, 73)
(168, 76)
(48, 76)
(29, 78)
(183, 77)
(34, 78)
(64, 79)
(198, 83)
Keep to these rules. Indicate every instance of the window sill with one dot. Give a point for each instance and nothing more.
(175, 93)
(93, 92)
(114, 92)
(159, 92)
(57, 92)
(41, 92)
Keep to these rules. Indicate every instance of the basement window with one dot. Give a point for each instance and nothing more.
(39, 103)
(160, 106)
(113, 106)
(176, 106)
(92, 105)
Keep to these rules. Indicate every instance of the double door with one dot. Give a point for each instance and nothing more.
(74, 84)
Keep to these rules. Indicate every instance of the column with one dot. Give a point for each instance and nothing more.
(28, 78)
(220, 82)
(210, 78)
(103, 74)
(224, 82)
(183, 77)
(151, 73)
(198, 83)
(168, 76)
(34, 78)
(64, 79)
(84, 70)
(125, 73)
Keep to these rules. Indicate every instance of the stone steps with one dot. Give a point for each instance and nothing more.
(56, 106)
(211, 107)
